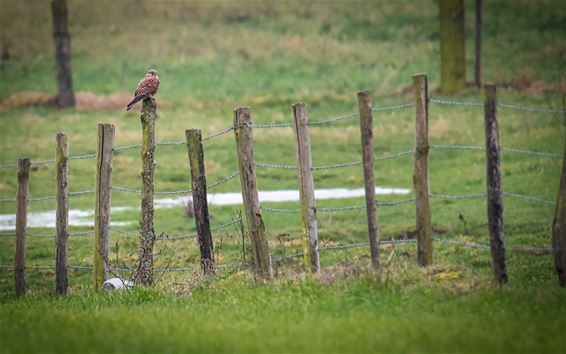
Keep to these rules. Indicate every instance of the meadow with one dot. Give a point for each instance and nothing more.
(213, 57)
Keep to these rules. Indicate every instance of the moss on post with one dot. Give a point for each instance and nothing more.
(144, 274)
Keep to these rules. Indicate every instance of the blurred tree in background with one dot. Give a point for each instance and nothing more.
(452, 46)
(65, 95)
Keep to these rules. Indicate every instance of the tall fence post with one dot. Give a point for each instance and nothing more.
(62, 216)
(420, 172)
(200, 203)
(144, 274)
(306, 188)
(21, 223)
(494, 190)
(559, 228)
(102, 204)
(366, 128)
(256, 228)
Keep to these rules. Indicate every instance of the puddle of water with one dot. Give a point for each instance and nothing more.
(86, 217)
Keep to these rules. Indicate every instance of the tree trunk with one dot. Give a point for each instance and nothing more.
(65, 95)
(452, 46)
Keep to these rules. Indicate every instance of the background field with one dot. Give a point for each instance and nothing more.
(213, 57)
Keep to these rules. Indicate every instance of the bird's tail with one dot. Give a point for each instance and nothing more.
(134, 101)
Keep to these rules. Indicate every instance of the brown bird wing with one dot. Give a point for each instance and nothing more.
(148, 85)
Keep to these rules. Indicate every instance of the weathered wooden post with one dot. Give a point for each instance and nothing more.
(244, 146)
(420, 172)
(200, 203)
(306, 188)
(366, 128)
(62, 216)
(102, 204)
(147, 237)
(21, 223)
(494, 190)
(559, 227)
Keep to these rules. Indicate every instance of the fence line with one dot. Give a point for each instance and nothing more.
(421, 148)
(506, 149)
(500, 105)
(313, 123)
(523, 250)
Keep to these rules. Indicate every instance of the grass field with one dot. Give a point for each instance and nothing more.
(213, 57)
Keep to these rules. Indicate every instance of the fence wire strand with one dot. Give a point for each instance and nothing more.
(529, 197)
(223, 180)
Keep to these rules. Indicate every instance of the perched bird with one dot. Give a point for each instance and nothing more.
(147, 87)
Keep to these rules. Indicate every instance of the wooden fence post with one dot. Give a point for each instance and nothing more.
(366, 128)
(559, 228)
(420, 172)
(244, 145)
(306, 188)
(102, 205)
(62, 216)
(494, 190)
(21, 223)
(144, 274)
(200, 203)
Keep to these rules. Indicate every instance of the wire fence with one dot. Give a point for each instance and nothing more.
(535, 251)
(314, 123)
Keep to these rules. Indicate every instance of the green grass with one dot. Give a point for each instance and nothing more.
(213, 57)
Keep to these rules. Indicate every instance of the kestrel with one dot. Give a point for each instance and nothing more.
(147, 87)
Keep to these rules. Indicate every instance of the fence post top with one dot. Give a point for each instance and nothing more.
(489, 87)
(101, 125)
(419, 76)
(364, 93)
(193, 132)
(242, 109)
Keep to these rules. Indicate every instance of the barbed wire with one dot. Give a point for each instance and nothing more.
(392, 108)
(458, 196)
(125, 232)
(396, 202)
(349, 207)
(37, 199)
(334, 119)
(9, 165)
(182, 191)
(535, 153)
(336, 166)
(500, 105)
(43, 162)
(457, 147)
(530, 109)
(394, 156)
(272, 125)
(80, 193)
(126, 189)
(529, 197)
(215, 135)
(30, 234)
(223, 180)
(272, 165)
(81, 157)
(126, 147)
(455, 103)
(167, 237)
(166, 143)
(506, 149)
(280, 210)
